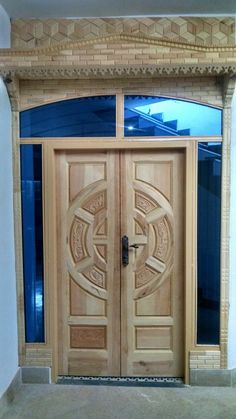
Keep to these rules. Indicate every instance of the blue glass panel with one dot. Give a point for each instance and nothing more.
(209, 215)
(161, 117)
(32, 228)
(84, 117)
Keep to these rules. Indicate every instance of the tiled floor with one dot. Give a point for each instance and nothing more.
(42, 401)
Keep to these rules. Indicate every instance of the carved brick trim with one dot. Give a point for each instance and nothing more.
(121, 71)
(147, 40)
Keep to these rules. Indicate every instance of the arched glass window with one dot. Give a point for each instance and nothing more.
(84, 117)
(169, 117)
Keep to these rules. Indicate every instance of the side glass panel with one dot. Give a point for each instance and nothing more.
(160, 116)
(209, 216)
(32, 229)
(84, 117)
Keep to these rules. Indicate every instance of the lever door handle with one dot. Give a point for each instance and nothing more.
(125, 250)
(135, 246)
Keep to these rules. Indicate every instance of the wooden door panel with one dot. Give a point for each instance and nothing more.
(152, 283)
(100, 197)
(88, 271)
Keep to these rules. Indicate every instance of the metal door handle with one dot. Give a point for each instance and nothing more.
(125, 250)
(135, 246)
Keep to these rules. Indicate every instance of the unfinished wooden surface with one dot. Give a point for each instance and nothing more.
(153, 213)
(88, 263)
(148, 189)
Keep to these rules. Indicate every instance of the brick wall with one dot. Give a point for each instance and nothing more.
(203, 89)
(204, 359)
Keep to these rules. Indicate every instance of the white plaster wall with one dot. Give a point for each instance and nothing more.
(8, 314)
(232, 290)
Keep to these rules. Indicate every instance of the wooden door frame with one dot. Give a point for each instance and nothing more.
(50, 148)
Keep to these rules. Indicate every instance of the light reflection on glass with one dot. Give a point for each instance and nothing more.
(209, 224)
(160, 116)
(32, 230)
(83, 117)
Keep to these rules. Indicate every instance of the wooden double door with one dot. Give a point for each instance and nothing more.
(119, 318)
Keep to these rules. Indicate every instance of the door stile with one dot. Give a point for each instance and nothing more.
(126, 218)
(114, 288)
(62, 201)
(50, 252)
(191, 252)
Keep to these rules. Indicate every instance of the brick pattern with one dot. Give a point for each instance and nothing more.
(115, 52)
(35, 93)
(30, 33)
(204, 360)
(38, 357)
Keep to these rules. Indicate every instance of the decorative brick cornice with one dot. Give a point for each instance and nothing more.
(117, 38)
(122, 71)
(118, 56)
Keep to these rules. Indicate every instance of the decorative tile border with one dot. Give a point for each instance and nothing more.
(122, 381)
(111, 72)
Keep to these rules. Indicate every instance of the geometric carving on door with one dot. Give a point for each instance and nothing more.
(78, 239)
(95, 203)
(87, 227)
(95, 275)
(154, 262)
(101, 251)
(143, 275)
(144, 203)
(101, 229)
(88, 337)
(163, 236)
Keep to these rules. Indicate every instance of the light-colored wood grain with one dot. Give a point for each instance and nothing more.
(85, 337)
(190, 251)
(159, 179)
(153, 337)
(87, 190)
(147, 309)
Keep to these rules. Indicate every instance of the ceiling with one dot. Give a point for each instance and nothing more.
(115, 8)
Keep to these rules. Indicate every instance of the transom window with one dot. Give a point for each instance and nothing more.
(144, 116)
(169, 117)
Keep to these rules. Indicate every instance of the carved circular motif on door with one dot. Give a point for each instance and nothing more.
(153, 218)
(87, 236)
